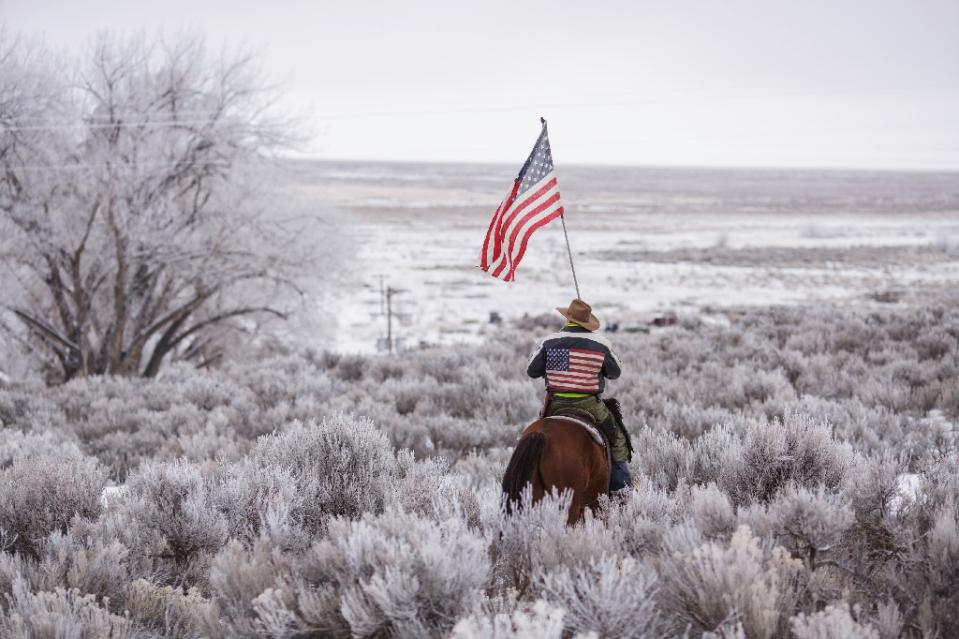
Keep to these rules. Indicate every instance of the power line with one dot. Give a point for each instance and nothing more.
(133, 167)
(707, 138)
(623, 100)
(146, 124)
(113, 117)
(590, 144)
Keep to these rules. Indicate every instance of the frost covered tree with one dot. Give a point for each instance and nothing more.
(129, 218)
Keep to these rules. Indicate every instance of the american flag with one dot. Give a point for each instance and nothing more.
(532, 203)
(573, 369)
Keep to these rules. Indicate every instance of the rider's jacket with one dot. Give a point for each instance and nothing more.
(575, 362)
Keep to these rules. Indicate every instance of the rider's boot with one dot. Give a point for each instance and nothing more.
(620, 482)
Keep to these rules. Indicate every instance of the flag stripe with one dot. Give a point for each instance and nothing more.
(584, 369)
(574, 388)
(533, 202)
(486, 255)
(498, 222)
(580, 353)
(574, 369)
(512, 222)
(502, 234)
(542, 187)
(542, 214)
(522, 249)
(572, 377)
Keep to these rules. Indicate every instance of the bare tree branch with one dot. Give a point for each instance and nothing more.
(157, 239)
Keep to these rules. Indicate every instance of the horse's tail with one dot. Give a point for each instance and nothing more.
(524, 462)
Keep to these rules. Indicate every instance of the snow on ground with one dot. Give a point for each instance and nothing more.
(907, 489)
(421, 228)
(111, 494)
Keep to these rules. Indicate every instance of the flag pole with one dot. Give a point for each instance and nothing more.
(569, 251)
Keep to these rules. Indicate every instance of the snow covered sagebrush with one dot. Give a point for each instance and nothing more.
(538, 621)
(341, 466)
(536, 539)
(60, 613)
(612, 597)
(43, 486)
(393, 574)
(349, 496)
(707, 583)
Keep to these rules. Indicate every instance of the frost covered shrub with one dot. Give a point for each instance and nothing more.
(43, 488)
(62, 613)
(538, 621)
(13, 568)
(870, 427)
(775, 455)
(535, 538)
(88, 566)
(730, 427)
(640, 524)
(169, 514)
(240, 579)
(712, 455)
(705, 584)
(834, 622)
(342, 466)
(611, 597)
(688, 420)
(217, 441)
(396, 574)
(350, 368)
(711, 511)
(669, 460)
(941, 555)
(810, 523)
(166, 611)
(483, 466)
(661, 457)
(909, 545)
(15, 444)
(427, 488)
(872, 492)
(257, 501)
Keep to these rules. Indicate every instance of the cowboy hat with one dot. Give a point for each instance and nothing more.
(581, 313)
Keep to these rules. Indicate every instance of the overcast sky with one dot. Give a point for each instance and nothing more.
(811, 83)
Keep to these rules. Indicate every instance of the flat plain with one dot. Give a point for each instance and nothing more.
(645, 242)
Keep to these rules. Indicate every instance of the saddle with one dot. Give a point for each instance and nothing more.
(606, 429)
(584, 418)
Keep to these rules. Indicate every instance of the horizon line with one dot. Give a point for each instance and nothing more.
(951, 169)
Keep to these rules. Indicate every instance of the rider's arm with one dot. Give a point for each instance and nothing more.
(537, 363)
(611, 367)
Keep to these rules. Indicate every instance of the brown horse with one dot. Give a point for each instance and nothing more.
(558, 452)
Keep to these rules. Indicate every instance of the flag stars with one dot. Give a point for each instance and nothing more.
(538, 166)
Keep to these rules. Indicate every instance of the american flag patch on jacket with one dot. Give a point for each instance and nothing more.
(573, 369)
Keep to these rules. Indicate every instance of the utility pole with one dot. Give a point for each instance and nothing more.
(382, 295)
(390, 292)
(389, 319)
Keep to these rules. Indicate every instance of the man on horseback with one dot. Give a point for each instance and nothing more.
(576, 363)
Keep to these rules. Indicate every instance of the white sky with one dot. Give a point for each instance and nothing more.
(813, 83)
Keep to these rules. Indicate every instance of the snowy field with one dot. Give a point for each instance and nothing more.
(795, 466)
(645, 241)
